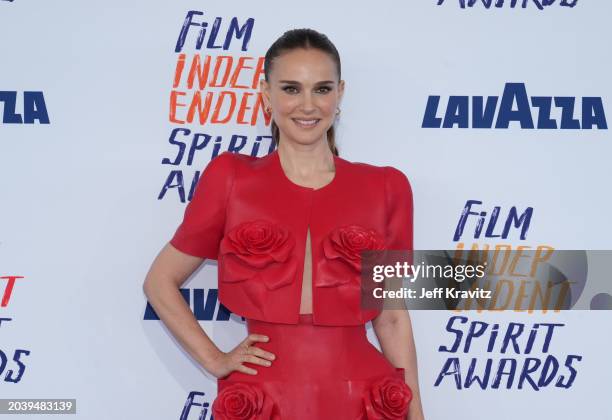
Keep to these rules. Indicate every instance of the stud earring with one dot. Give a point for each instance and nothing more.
(268, 110)
(337, 111)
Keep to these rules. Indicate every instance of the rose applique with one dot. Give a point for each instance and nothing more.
(242, 401)
(387, 399)
(345, 244)
(261, 251)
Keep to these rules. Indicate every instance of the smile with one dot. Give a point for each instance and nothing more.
(306, 123)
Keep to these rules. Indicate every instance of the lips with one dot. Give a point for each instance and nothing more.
(306, 123)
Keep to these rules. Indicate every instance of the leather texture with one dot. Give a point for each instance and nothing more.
(247, 214)
(254, 220)
(320, 372)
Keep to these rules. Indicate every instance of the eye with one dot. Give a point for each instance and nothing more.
(290, 89)
(324, 89)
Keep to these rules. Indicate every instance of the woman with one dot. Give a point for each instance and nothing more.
(287, 230)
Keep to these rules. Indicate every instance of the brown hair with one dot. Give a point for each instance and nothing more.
(302, 38)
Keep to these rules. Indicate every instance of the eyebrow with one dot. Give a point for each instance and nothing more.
(298, 83)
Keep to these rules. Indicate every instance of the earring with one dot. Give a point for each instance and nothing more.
(337, 111)
(268, 110)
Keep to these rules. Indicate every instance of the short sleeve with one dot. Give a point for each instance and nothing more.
(203, 223)
(399, 210)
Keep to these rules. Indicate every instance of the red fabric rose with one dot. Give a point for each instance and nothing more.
(259, 245)
(345, 244)
(387, 399)
(241, 401)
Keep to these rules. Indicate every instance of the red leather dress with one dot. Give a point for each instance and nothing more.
(249, 216)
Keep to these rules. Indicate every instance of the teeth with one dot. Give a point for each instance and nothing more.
(306, 122)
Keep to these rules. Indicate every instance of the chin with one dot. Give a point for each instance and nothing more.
(304, 136)
(310, 138)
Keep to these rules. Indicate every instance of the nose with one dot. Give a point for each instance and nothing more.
(308, 105)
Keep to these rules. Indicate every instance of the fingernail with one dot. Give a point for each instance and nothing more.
(273, 357)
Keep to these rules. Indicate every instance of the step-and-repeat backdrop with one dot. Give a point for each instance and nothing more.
(497, 111)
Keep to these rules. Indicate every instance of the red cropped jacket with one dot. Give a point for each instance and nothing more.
(249, 216)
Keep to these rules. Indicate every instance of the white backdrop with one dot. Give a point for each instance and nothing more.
(83, 214)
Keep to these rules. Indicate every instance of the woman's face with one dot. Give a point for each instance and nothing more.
(303, 92)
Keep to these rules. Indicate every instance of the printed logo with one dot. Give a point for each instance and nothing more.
(540, 4)
(511, 355)
(34, 108)
(516, 106)
(12, 366)
(204, 304)
(215, 83)
(194, 400)
(527, 361)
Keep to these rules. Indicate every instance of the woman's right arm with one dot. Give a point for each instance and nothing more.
(169, 271)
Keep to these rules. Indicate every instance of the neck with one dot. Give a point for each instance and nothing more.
(306, 159)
